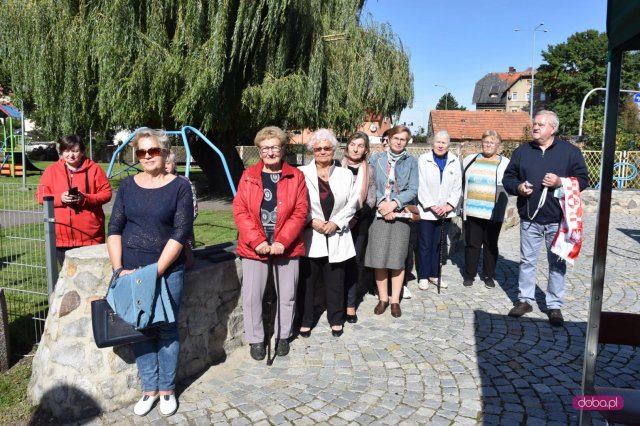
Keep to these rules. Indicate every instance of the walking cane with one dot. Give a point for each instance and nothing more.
(441, 250)
(268, 317)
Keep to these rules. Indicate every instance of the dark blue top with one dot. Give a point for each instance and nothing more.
(530, 163)
(269, 206)
(148, 218)
(441, 162)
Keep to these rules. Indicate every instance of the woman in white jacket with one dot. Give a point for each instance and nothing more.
(327, 238)
(439, 192)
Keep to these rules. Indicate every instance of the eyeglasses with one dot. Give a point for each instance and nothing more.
(323, 148)
(489, 143)
(275, 149)
(385, 139)
(153, 152)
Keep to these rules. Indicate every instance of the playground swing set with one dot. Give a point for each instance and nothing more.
(12, 164)
(183, 135)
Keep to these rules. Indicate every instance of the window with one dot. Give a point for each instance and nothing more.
(514, 109)
(528, 96)
(543, 97)
(514, 96)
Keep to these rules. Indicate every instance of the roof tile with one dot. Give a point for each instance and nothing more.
(469, 125)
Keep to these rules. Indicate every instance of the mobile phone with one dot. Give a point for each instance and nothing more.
(73, 192)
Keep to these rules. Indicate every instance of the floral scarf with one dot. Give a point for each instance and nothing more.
(391, 171)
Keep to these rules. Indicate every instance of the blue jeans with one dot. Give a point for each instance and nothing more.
(157, 359)
(531, 237)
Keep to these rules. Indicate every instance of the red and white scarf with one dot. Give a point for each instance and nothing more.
(568, 239)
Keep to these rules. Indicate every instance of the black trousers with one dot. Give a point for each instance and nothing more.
(311, 269)
(481, 234)
(358, 279)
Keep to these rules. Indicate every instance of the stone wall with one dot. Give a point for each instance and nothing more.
(622, 201)
(74, 379)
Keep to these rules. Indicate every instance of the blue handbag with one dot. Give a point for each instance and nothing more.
(141, 298)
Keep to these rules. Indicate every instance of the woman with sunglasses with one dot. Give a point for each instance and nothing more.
(396, 187)
(151, 220)
(79, 188)
(327, 238)
(355, 160)
(270, 210)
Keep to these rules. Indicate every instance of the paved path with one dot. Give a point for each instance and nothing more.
(453, 358)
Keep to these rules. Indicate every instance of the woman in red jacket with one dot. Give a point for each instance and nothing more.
(270, 210)
(79, 188)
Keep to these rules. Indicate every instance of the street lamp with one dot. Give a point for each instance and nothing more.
(533, 52)
(446, 95)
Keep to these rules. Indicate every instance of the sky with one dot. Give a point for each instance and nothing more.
(456, 43)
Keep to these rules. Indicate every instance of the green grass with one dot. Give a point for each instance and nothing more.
(23, 277)
(14, 407)
(214, 227)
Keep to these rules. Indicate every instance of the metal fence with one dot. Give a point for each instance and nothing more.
(626, 171)
(298, 155)
(23, 271)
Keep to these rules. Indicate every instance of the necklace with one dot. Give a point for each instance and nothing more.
(323, 174)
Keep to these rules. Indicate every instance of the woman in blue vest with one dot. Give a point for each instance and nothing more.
(485, 202)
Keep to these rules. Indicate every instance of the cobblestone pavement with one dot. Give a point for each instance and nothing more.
(453, 358)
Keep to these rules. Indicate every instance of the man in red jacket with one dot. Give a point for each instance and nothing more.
(79, 188)
(270, 210)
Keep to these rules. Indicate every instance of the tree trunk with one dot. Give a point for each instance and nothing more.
(210, 163)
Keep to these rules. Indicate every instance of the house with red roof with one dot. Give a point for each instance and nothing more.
(466, 126)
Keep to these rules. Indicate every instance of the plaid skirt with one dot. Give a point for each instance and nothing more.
(388, 244)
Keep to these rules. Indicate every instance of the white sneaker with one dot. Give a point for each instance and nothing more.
(406, 294)
(434, 281)
(423, 284)
(168, 405)
(145, 404)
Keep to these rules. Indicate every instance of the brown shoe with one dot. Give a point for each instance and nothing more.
(396, 312)
(381, 307)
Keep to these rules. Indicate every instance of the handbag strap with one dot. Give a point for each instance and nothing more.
(115, 275)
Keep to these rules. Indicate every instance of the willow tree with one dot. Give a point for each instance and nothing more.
(226, 67)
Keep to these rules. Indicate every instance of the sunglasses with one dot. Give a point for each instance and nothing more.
(323, 148)
(153, 152)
